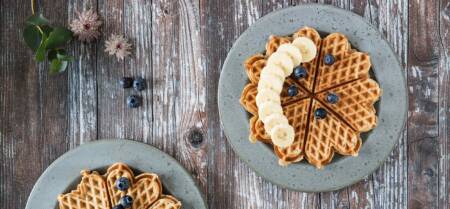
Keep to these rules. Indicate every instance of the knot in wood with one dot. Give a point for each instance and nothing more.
(195, 137)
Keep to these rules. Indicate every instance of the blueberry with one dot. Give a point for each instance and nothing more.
(119, 206)
(332, 98)
(123, 183)
(300, 72)
(133, 101)
(292, 90)
(139, 84)
(126, 201)
(328, 59)
(320, 113)
(126, 82)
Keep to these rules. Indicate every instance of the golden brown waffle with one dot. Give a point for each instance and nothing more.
(91, 193)
(348, 66)
(99, 192)
(257, 131)
(311, 66)
(146, 188)
(254, 66)
(348, 77)
(248, 96)
(166, 202)
(297, 114)
(274, 42)
(355, 104)
(328, 135)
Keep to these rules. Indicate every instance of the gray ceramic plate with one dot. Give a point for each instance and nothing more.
(64, 174)
(377, 144)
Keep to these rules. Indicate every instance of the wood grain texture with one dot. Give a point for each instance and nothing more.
(179, 48)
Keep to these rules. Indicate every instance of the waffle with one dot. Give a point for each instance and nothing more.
(257, 131)
(355, 105)
(91, 193)
(166, 202)
(146, 188)
(328, 135)
(317, 139)
(274, 42)
(297, 114)
(248, 96)
(97, 191)
(349, 65)
(311, 66)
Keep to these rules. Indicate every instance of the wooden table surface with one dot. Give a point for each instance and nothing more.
(179, 47)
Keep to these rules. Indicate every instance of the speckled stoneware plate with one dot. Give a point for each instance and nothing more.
(64, 174)
(391, 108)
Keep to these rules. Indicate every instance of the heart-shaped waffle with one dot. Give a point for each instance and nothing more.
(91, 193)
(145, 188)
(100, 191)
(347, 78)
(166, 202)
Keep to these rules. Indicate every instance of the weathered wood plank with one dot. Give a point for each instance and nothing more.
(111, 104)
(229, 179)
(138, 122)
(82, 82)
(33, 104)
(191, 103)
(423, 127)
(19, 112)
(444, 105)
(179, 84)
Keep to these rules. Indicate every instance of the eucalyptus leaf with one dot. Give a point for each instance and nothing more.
(37, 19)
(58, 37)
(40, 52)
(32, 37)
(64, 57)
(58, 66)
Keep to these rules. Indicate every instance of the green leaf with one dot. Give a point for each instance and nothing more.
(58, 66)
(32, 37)
(37, 19)
(64, 57)
(58, 37)
(40, 52)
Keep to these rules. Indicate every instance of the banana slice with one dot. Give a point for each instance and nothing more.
(270, 82)
(307, 48)
(274, 70)
(267, 95)
(274, 120)
(268, 108)
(283, 60)
(292, 51)
(282, 135)
(268, 76)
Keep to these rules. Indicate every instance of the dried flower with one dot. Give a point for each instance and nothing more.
(86, 27)
(118, 45)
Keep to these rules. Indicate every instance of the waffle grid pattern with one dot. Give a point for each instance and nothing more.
(297, 115)
(348, 77)
(99, 192)
(166, 202)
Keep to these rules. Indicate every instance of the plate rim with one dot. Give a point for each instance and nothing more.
(124, 142)
(322, 7)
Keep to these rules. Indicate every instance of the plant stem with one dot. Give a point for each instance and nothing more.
(32, 6)
(33, 12)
